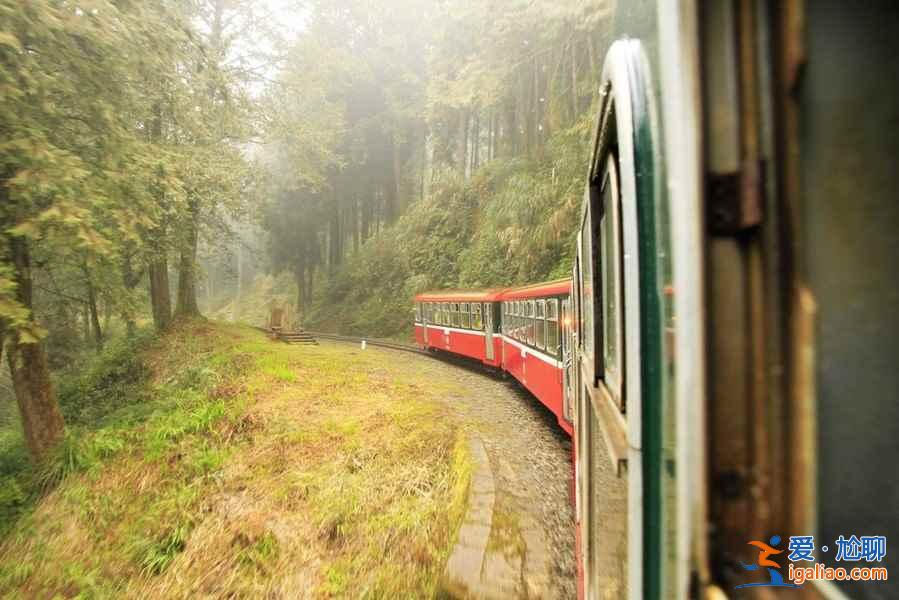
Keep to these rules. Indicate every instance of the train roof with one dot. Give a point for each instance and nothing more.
(559, 287)
(489, 295)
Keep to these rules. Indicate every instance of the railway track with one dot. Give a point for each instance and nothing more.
(370, 342)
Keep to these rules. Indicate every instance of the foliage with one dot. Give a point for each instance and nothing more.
(91, 389)
(225, 474)
(427, 146)
(513, 222)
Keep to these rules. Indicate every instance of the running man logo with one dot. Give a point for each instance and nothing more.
(766, 550)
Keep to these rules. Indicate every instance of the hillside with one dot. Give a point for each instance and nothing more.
(213, 461)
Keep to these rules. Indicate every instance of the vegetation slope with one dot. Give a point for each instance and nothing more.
(215, 462)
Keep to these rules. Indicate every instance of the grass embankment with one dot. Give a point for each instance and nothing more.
(214, 462)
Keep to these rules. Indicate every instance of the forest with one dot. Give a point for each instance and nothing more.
(159, 157)
(169, 165)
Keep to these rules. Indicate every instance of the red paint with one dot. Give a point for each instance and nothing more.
(541, 378)
(537, 371)
(561, 287)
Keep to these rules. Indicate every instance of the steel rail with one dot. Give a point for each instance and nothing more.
(370, 342)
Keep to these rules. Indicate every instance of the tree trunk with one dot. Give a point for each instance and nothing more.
(357, 209)
(187, 272)
(86, 319)
(95, 317)
(464, 120)
(300, 276)
(334, 236)
(366, 209)
(92, 307)
(130, 279)
(310, 284)
(238, 300)
(575, 101)
(42, 421)
(476, 143)
(397, 175)
(160, 296)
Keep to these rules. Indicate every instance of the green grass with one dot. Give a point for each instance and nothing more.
(239, 467)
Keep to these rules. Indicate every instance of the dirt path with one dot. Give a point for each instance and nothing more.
(530, 551)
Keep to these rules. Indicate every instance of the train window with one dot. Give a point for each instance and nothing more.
(418, 312)
(530, 321)
(477, 322)
(506, 318)
(518, 320)
(444, 317)
(540, 324)
(454, 314)
(552, 326)
(610, 270)
(586, 263)
(515, 319)
(465, 317)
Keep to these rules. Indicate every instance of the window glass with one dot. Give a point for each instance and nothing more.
(552, 326)
(454, 314)
(446, 312)
(465, 315)
(530, 321)
(610, 270)
(476, 318)
(540, 324)
(517, 333)
(586, 264)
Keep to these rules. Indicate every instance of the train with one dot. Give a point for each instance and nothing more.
(724, 354)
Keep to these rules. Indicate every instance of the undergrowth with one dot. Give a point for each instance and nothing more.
(215, 462)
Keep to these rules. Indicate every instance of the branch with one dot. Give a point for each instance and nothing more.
(60, 294)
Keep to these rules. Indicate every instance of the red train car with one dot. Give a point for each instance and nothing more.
(520, 330)
(465, 322)
(533, 334)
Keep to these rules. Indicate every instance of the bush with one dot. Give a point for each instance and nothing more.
(90, 390)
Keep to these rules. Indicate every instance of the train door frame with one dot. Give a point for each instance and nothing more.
(626, 133)
(489, 351)
(566, 359)
(424, 323)
(681, 109)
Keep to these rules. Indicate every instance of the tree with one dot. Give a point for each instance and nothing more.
(72, 115)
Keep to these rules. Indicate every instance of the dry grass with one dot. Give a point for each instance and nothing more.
(265, 471)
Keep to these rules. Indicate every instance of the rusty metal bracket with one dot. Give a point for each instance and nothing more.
(735, 201)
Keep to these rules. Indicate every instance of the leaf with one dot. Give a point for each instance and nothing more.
(31, 333)
(24, 229)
